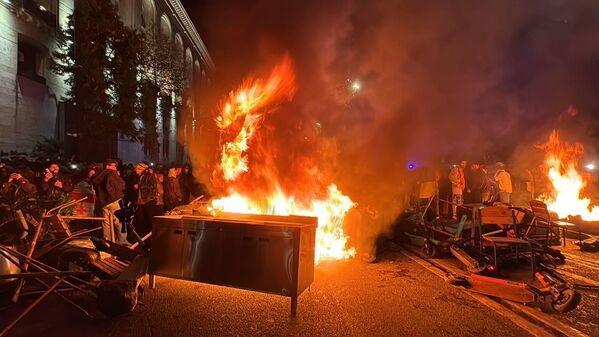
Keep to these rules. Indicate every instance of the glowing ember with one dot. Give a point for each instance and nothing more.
(562, 162)
(253, 186)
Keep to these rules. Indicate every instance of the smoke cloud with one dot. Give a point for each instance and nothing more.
(438, 80)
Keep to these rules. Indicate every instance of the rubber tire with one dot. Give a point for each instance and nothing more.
(429, 249)
(569, 299)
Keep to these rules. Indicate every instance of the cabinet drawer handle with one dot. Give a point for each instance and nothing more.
(191, 233)
(264, 239)
(178, 232)
(247, 238)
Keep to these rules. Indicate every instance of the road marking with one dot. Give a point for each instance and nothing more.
(547, 319)
(529, 327)
(590, 266)
(579, 278)
(580, 257)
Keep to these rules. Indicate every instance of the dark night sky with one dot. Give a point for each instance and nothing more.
(441, 79)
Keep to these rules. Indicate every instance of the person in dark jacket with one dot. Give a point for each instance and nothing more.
(475, 178)
(173, 196)
(53, 183)
(111, 189)
(147, 208)
(186, 183)
(17, 185)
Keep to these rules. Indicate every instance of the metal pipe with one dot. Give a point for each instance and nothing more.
(16, 262)
(44, 267)
(36, 236)
(71, 302)
(30, 307)
(44, 274)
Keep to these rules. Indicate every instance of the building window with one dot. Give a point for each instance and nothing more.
(31, 61)
(165, 26)
(45, 10)
(148, 14)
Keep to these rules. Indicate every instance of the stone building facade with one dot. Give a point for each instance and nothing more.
(31, 95)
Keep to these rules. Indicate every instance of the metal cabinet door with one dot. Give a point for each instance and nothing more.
(277, 270)
(166, 252)
(259, 259)
(201, 255)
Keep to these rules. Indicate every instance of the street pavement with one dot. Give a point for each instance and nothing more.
(393, 297)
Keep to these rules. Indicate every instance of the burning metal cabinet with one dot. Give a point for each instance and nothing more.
(272, 254)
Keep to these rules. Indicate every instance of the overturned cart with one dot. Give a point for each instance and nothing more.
(266, 253)
(492, 242)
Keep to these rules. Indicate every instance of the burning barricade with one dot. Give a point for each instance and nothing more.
(46, 254)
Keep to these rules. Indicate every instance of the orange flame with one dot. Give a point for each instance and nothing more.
(254, 187)
(562, 162)
(248, 105)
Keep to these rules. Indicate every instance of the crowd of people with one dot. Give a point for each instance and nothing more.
(475, 184)
(107, 187)
(464, 183)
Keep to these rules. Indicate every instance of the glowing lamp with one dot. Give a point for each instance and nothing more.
(356, 86)
(590, 166)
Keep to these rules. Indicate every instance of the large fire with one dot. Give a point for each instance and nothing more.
(562, 161)
(248, 174)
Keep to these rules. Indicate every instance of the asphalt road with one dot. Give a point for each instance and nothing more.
(394, 297)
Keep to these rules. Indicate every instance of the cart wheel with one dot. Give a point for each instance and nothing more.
(457, 280)
(429, 249)
(567, 300)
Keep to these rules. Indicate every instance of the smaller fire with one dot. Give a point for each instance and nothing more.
(562, 161)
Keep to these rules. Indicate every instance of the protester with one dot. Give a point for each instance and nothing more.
(173, 196)
(17, 186)
(458, 183)
(146, 199)
(111, 189)
(160, 190)
(53, 183)
(490, 189)
(186, 183)
(131, 179)
(474, 182)
(504, 180)
(84, 189)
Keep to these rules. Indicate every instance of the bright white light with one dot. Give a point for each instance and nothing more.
(43, 8)
(590, 166)
(356, 86)
(152, 164)
(73, 166)
(6, 1)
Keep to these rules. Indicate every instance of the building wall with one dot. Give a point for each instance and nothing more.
(167, 16)
(28, 107)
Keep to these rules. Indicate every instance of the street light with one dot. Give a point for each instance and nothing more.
(356, 86)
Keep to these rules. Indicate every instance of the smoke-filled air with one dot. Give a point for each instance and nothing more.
(360, 90)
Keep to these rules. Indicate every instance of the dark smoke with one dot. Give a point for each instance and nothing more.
(440, 80)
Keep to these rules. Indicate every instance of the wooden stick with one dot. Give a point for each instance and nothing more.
(31, 306)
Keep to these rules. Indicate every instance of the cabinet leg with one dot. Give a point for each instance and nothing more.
(152, 278)
(293, 305)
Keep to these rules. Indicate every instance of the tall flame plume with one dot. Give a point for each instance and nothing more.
(247, 170)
